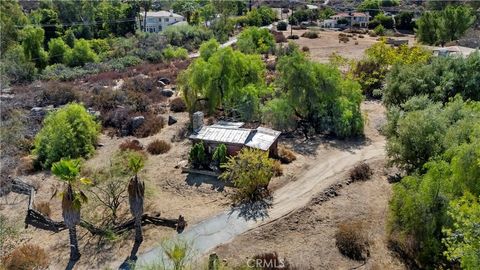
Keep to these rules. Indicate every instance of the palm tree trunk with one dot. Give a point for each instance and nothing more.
(138, 230)
(74, 253)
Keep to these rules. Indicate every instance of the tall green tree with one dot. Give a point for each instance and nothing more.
(320, 97)
(57, 50)
(32, 43)
(12, 19)
(256, 40)
(219, 79)
(440, 27)
(186, 7)
(49, 21)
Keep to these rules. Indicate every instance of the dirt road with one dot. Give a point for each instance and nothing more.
(331, 160)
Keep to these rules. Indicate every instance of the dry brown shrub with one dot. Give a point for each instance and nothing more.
(26, 257)
(310, 34)
(57, 94)
(107, 77)
(177, 105)
(26, 165)
(361, 172)
(152, 125)
(134, 145)
(305, 49)
(352, 240)
(279, 36)
(158, 147)
(286, 155)
(44, 208)
(277, 168)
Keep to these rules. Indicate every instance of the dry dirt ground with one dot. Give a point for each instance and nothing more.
(169, 192)
(306, 236)
(323, 47)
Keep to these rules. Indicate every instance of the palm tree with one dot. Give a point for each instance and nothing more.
(136, 194)
(68, 171)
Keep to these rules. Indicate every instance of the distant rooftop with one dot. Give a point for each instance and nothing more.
(162, 13)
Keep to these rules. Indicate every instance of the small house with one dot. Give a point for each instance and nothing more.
(157, 21)
(235, 137)
(359, 19)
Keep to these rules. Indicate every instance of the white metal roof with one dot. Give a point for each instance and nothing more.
(161, 13)
(263, 138)
(230, 133)
(222, 134)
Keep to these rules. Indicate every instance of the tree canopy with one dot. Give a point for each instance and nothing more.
(440, 27)
(256, 40)
(221, 78)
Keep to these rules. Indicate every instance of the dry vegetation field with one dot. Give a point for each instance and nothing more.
(306, 235)
(327, 43)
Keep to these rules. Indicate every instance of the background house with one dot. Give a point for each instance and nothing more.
(157, 21)
(359, 19)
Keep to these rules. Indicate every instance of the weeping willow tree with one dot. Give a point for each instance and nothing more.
(221, 79)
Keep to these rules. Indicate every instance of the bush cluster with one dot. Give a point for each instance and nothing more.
(361, 172)
(310, 34)
(26, 257)
(158, 147)
(352, 240)
(178, 105)
(133, 145)
(70, 132)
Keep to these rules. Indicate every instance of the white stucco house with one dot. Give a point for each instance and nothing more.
(157, 21)
(353, 18)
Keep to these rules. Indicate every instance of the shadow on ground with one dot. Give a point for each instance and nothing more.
(253, 210)
(197, 180)
(309, 147)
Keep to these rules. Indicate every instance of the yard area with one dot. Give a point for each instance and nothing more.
(327, 43)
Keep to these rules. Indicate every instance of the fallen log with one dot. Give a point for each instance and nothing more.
(38, 220)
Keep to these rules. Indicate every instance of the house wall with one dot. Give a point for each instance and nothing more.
(158, 24)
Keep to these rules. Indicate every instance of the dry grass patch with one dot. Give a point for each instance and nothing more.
(177, 105)
(26, 257)
(134, 145)
(44, 208)
(286, 155)
(277, 168)
(158, 147)
(361, 172)
(352, 240)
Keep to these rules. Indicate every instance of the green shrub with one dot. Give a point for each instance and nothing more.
(70, 132)
(81, 54)
(172, 53)
(220, 154)
(197, 155)
(187, 36)
(282, 26)
(379, 30)
(250, 172)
